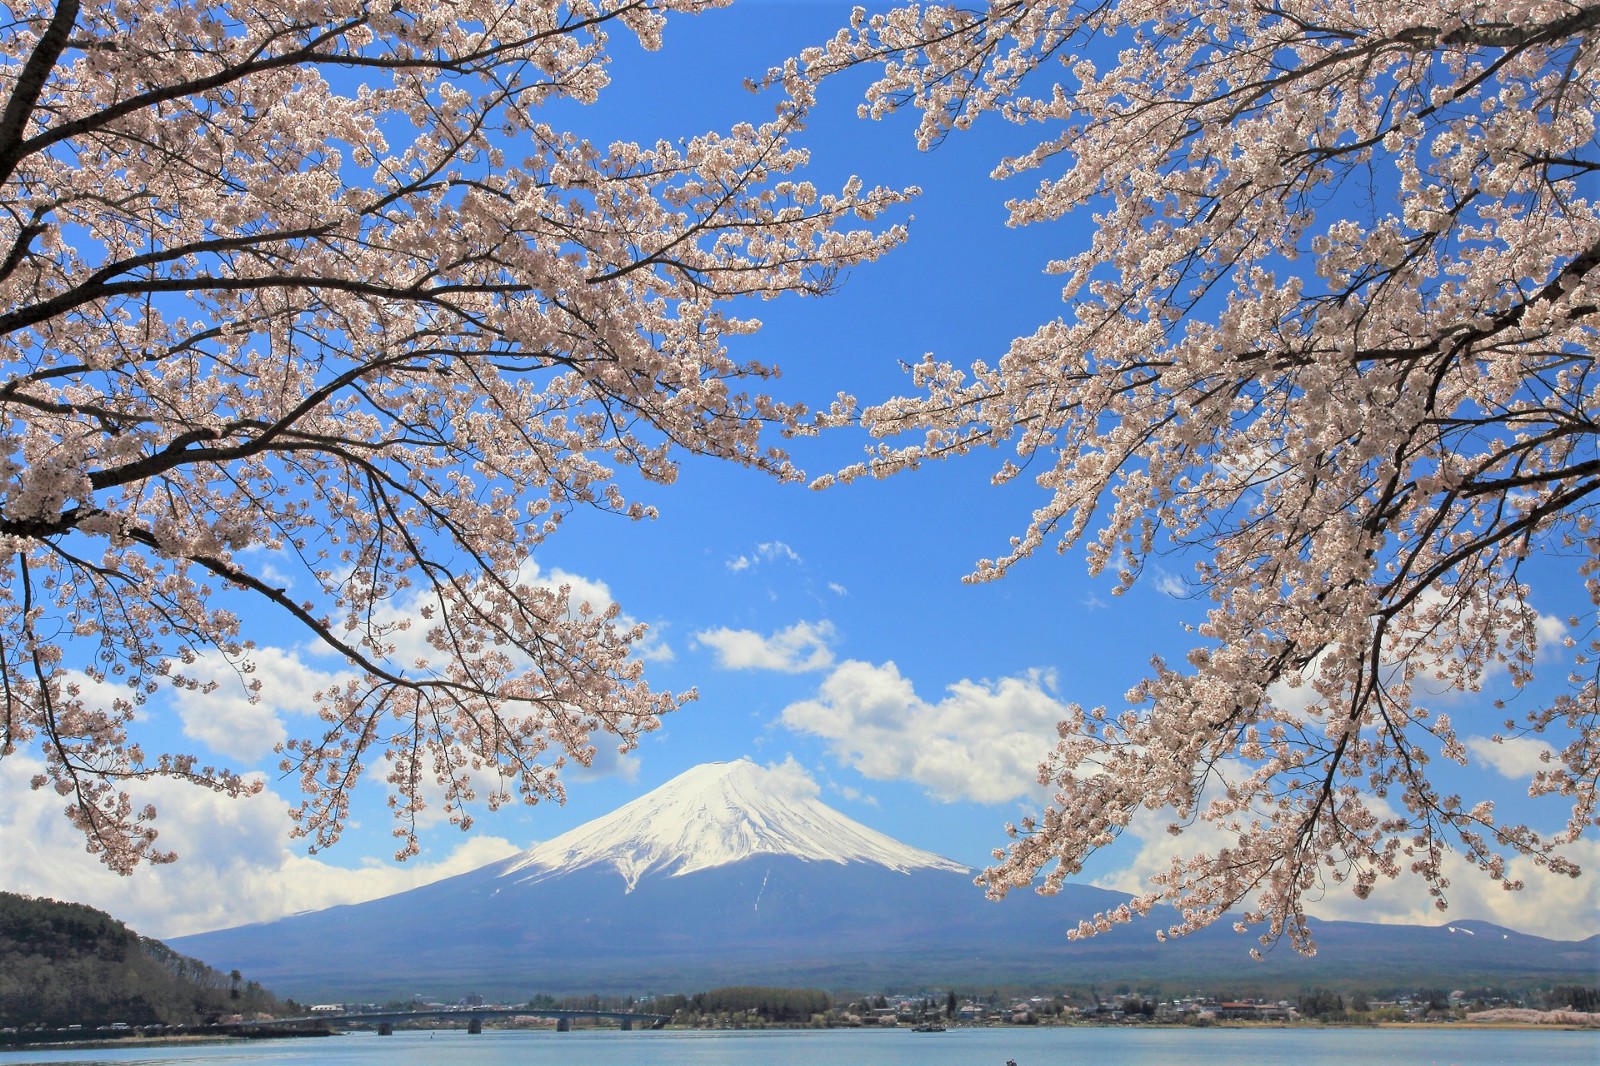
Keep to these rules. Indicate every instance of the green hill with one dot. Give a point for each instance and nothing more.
(67, 964)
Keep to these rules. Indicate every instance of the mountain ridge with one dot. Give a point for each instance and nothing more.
(696, 888)
(713, 815)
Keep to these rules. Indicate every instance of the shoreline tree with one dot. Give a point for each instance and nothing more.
(1333, 334)
(314, 287)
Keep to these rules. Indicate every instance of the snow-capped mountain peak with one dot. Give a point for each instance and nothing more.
(715, 814)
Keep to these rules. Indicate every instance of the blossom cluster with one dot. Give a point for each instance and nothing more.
(313, 281)
(1333, 333)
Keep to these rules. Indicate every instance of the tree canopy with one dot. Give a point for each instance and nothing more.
(316, 286)
(1333, 333)
(68, 964)
(319, 286)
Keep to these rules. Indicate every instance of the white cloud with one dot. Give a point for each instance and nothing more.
(102, 694)
(653, 646)
(789, 778)
(1171, 585)
(1298, 698)
(1430, 689)
(597, 594)
(771, 551)
(801, 647)
(981, 742)
(261, 561)
(855, 795)
(226, 720)
(608, 762)
(851, 793)
(1156, 847)
(1552, 636)
(411, 642)
(1515, 757)
(1549, 634)
(236, 864)
(1559, 907)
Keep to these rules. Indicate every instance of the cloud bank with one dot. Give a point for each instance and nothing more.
(236, 864)
(800, 648)
(981, 742)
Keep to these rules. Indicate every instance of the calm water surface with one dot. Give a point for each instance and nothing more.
(974, 1047)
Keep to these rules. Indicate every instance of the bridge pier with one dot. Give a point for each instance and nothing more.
(475, 1026)
(563, 1025)
(627, 1025)
(385, 1029)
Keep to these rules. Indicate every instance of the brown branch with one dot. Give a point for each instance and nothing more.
(30, 85)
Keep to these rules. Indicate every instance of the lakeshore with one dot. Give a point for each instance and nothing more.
(1558, 1021)
(1305, 1045)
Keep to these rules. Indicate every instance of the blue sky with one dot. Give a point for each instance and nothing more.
(830, 629)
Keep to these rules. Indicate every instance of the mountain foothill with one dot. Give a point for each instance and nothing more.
(728, 875)
(67, 964)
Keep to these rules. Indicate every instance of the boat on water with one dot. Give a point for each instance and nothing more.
(927, 1027)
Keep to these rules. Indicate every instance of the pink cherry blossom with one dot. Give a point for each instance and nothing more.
(318, 278)
(1333, 330)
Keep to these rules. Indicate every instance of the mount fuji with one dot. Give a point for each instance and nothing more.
(735, 874)
(716, 815)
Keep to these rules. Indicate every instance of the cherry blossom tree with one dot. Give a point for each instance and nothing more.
(314, 286)
(1334, 335)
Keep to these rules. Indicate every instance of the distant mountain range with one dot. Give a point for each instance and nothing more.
(723, 876)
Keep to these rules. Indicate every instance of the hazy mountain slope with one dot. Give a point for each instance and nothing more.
(722, 877)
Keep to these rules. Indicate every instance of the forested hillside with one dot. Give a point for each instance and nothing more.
(67, 964)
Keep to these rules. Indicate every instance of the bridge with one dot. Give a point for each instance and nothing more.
(385, 1021)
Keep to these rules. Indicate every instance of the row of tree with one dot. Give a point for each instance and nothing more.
(778, 1005)
(1573, 997)
(783, 1006)
(67, 964)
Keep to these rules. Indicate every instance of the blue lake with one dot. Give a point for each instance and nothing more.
(969, 1047)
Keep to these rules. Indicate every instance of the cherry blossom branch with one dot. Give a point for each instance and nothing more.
(1332, 334)
(236, 317)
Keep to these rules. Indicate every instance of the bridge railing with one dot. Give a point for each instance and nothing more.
(475, 1017)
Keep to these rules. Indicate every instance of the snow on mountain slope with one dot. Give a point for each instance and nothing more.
(712, 815)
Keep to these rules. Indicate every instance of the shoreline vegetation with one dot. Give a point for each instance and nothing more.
(72, 976)
(25, 1040)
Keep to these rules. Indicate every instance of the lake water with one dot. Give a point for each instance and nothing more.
(958, 1047)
